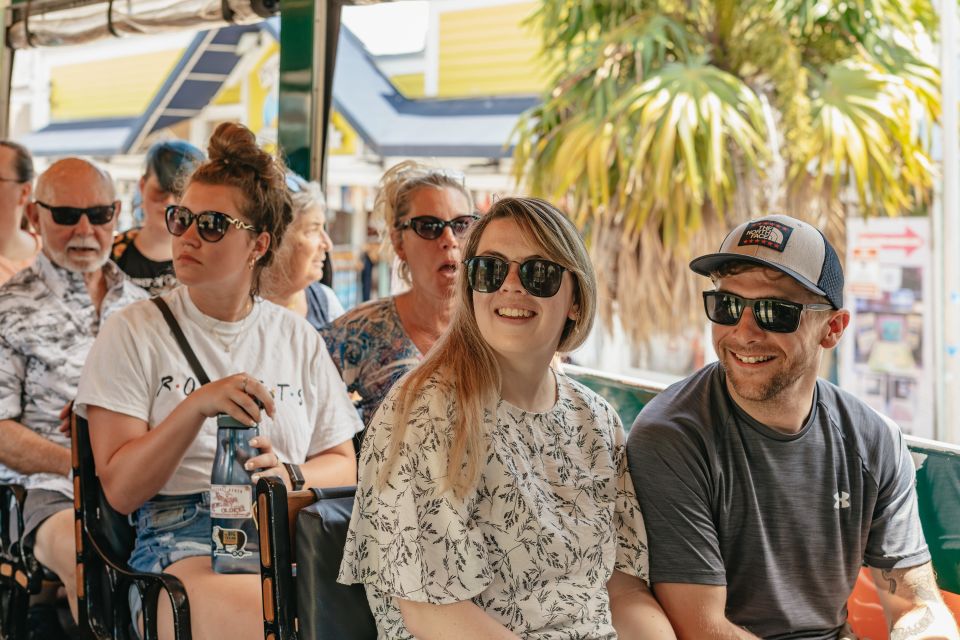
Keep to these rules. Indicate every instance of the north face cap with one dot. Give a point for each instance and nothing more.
(785, 244)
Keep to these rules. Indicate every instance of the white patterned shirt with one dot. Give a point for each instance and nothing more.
(533, 544)
(47, 325)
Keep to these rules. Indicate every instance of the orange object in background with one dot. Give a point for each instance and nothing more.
(953, 602)
(864, 611)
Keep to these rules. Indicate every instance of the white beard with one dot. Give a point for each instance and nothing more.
(64, 259)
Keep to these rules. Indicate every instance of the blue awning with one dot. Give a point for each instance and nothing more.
(101, 137)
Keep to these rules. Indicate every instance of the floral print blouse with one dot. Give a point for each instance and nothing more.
(534, 544)
(372, 351)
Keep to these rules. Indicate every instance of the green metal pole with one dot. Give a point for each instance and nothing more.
(308, 45)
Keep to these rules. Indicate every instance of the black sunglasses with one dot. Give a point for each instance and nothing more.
(431, 227)
(778, 316)
(541, 278)
(211, 225)
(99, 214)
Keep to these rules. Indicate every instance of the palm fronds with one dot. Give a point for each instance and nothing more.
(669, 121)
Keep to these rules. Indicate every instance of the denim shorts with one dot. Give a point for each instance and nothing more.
(170, 528)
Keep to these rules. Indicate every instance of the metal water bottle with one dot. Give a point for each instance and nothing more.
(234, 544)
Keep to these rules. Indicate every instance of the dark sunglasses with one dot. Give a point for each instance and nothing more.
(778, 316)
(99, 214)
(541, 278)
(211, 225)
(431, 227)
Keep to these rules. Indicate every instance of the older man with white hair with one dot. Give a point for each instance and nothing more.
(50, 314)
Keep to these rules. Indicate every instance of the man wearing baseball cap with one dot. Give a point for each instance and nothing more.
(763, 488)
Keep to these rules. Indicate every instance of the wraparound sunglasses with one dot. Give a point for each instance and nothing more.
(771, 314)
(431, 227)
(541, 278)
(67, 216)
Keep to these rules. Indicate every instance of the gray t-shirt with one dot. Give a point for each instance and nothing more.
(784, 521)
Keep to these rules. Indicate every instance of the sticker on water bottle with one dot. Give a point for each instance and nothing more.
(230, 542)
(231, 501)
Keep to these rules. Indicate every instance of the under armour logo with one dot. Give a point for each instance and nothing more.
(841, 500)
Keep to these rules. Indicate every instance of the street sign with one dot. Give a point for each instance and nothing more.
(886, 356)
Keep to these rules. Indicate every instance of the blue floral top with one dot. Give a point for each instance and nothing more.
(371, 350)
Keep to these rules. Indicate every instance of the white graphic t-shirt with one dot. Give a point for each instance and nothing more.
(137, 368)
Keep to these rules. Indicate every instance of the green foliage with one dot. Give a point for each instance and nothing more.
(668, 121)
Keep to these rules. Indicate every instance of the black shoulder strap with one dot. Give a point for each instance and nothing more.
(181, 340)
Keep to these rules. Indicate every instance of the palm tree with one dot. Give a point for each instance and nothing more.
(670, 120)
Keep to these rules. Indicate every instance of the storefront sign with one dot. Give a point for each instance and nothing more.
(886, 354)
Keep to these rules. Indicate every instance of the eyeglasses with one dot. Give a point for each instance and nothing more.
(778, 316)
(97, 215)
(431, 227)
(541, 278)
(211, 225)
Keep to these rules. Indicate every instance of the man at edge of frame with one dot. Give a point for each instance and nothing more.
(772, 486)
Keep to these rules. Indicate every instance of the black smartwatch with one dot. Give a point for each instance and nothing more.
(296, 478)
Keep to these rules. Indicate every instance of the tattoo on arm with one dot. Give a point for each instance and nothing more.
(920, 583)
(912, 631)
(911, 598)
(888, 576)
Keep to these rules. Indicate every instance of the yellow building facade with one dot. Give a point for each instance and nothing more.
(474, 48)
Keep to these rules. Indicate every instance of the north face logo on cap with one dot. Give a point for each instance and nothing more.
(766, 233)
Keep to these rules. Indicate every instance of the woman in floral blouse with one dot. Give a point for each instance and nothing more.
(494, 499)
(427, 211)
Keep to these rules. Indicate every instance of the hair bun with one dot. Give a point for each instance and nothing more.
(235, 144)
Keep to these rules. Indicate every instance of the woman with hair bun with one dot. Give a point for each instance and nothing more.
(428, 212)
(152, 426)
(494, 499)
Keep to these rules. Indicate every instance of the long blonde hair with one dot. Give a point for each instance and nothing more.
(465, 361)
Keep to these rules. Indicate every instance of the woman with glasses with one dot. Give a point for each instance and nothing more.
(494, 499)
(152, 424)
(292, 281)
(427, 212)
